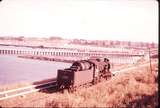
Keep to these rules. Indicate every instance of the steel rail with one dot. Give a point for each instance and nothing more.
(25, 90)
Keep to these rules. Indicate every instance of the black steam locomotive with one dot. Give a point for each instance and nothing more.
(83, 72)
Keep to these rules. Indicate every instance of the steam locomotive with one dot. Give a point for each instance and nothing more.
(83, 72)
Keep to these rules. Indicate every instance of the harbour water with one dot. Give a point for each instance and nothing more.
(16, 70)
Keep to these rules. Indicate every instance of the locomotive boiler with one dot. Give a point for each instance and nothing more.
(83, 72)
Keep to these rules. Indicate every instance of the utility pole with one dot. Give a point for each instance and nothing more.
(150, 61)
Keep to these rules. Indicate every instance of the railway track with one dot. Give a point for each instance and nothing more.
(25, 90)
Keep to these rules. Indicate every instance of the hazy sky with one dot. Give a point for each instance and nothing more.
(133, 20)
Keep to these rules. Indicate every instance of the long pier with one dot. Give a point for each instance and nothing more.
(68, 53)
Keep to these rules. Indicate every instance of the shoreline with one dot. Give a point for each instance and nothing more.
(46, 58)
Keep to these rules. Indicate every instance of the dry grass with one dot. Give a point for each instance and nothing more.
(13, 86)
(135, 89)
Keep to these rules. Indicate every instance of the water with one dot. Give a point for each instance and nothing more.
(16, 48)
(15, 70)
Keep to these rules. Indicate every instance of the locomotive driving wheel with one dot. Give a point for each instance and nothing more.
(71, 89)
(95, 80)
(108, 75)
(61, 88)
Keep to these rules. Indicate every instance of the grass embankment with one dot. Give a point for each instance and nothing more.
(24, 84)
(138, 88)
(13, 86)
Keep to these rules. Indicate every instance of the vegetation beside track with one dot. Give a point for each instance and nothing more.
(137, 88)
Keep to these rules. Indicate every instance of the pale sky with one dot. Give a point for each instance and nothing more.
(128, 20)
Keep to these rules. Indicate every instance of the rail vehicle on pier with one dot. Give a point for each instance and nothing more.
(83, 72)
